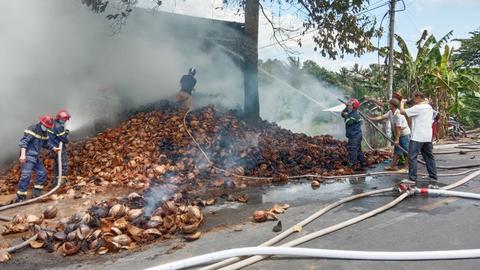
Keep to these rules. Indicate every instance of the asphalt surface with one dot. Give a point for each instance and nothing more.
(418, 223)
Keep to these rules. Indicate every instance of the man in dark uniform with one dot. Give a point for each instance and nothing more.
(56, 135)
(187, 85)
(34, 139)
(353, 127)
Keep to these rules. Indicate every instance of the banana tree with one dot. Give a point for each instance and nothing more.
(433, 72)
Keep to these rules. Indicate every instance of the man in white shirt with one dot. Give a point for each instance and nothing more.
(421, 114)
(401, 132)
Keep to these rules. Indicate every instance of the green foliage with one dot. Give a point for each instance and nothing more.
(469, 51)
(452, 86)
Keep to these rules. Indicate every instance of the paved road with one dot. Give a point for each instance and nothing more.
(419, 223)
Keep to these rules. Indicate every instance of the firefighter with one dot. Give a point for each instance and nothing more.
(353, 127)
(34, 139)
(187, 85)
(56, 135)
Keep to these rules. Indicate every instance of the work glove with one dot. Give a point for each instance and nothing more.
(67, 131)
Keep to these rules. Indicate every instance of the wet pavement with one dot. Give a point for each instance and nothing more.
(418, 223)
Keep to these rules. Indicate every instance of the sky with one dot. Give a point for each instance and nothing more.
(437, 16)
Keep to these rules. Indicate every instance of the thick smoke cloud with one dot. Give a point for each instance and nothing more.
(57, 54)
(300, 108)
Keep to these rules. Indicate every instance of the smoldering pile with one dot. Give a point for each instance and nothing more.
(153, 146)
(110, 226)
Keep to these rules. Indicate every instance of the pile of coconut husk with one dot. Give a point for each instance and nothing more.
(110, 226)
(153, 146)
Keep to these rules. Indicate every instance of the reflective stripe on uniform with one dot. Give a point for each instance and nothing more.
(349, 119)
(22, 192)
(353, 119)
(60, 134)
(36, 135)
(38, 186)
(49, 131)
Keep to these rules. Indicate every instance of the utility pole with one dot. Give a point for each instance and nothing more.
(251, 103)
(391, 36)
(391, 40)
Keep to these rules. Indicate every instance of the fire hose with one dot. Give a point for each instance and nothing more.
(405, 151)
(52, 191)
(316, 215)
(344, 224)
(324, 254)
(447, 193)
(234, 257)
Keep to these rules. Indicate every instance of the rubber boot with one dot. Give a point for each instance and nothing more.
(20, 198)
(36, 192)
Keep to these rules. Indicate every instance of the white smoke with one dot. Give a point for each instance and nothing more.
(300, 108)
(58, 54)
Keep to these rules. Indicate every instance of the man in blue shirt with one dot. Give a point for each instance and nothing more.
(34, 139)
(353, 127)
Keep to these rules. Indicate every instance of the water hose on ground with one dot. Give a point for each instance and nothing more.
(344, 224)
(299, 226)
(324, 254)
(447, 193)
(311, 218)
(324, 231)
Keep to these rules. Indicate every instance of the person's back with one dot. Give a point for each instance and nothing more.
(187, 83)
(422, 119)
(422, 115)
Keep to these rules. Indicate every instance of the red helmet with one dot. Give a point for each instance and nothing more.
(47, 121)
(63, 115)
(354, 103)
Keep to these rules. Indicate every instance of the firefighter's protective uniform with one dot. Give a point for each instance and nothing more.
(353, 127)
(34, 139)
(56, 135)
